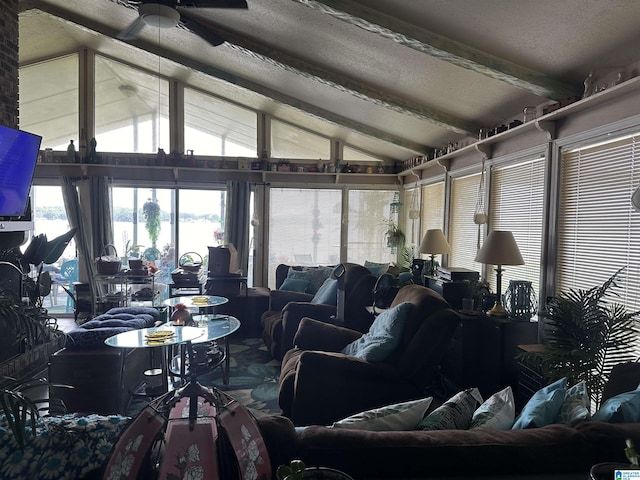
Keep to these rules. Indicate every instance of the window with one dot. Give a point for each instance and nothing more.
(432, 207)
(50, 218)
(201, 220)
(432, 211)
(132, 109)
(304, 227)
(369, 213)
(288, 141)
(49, 101)
(353, 155)
(216, 127)
(463, 233)
(598, 227)
(131, 234)
(516, 204)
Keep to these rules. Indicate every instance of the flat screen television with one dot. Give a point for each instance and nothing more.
(18, 156)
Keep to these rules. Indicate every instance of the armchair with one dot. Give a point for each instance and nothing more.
(319, 385)
(280, 323)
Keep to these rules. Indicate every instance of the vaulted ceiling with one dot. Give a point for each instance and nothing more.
(391, 77)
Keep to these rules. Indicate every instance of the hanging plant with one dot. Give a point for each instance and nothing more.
(151, 211)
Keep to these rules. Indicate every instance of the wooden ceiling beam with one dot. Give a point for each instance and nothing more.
(443, 48)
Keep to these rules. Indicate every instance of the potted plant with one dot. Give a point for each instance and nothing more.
(20, 323)
(151, 211)
(394, 235)
(39, 253)
(585, 334)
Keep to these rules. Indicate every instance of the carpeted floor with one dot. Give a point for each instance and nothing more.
(253, 378)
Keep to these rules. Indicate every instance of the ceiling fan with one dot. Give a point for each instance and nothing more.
(170, 13)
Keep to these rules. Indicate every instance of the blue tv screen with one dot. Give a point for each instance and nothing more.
(18, 156)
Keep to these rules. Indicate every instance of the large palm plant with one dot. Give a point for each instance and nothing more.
(585, 334)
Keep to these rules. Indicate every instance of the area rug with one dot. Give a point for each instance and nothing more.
(253, 379)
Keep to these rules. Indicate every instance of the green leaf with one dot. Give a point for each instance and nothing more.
(56, 247)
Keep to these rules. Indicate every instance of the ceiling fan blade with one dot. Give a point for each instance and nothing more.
(201, 30)
(212, 3)
(132, 30)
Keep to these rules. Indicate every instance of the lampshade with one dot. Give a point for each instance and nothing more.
(499, 248)
(434, 242)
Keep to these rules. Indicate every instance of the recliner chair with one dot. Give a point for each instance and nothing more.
(280, 324)
(319, 385)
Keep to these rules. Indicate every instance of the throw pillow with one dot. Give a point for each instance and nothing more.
(576, 406)
(294, 285)
(376, 269)
(327, 294)
(623, 408)
(383, 336)
(498, 412)
(454, 414)
(543, 407)
(314, 275)
(400, 416)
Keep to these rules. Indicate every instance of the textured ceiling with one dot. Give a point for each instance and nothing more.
(391, 77)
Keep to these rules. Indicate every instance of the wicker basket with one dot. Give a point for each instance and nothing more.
(106, 264)
(188, 266)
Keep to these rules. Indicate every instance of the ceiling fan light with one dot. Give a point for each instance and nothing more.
(158, 15)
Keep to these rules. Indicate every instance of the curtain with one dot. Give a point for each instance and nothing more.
(237, 220)
(102, 226)
(83, 235)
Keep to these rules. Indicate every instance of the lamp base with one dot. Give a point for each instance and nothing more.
(498, 311)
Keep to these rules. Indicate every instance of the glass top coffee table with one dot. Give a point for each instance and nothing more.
(210, 356)
(156, 337)
(200, 301)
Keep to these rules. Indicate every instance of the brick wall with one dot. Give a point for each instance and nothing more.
(9, 63)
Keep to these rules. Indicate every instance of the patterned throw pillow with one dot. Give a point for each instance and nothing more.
(454, 414)
(498, 412)
(576, 406)
(400, 416)
(543, 407)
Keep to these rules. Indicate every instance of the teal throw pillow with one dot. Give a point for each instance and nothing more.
(314, 275)
(543, 407)
(294, 285)
(623, 408)
(327, 294)
(576, 407)
(383, 336)
(376, 269)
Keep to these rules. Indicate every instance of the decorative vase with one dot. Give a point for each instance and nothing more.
(181, 316)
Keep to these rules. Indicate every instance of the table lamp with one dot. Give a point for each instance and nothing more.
(434, 243)
(499, 248)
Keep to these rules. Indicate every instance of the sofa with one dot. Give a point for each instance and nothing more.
(319, 383)
(288, 307)
(565, 445)
(551, 452)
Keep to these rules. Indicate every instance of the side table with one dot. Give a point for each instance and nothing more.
(482, 353)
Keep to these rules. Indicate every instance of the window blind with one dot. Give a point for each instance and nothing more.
(432, 207)
(516, 204)
(598, 229)
(463, 233)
